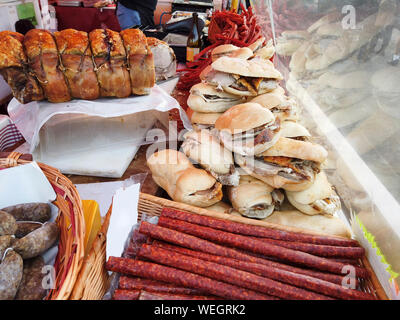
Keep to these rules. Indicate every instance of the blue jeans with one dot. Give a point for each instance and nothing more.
(127, 17)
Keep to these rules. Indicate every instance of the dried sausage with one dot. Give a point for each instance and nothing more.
(189, 241)
(130, 283)
(38, 241)
(319, 250)
(182, 278)
(31, 287)
(226, 274)
(40, 212)
(8, 225)
(264, 232)
(25, 227)
(5, 242)
(121, 294)
(10, 274)
(334, 278)
(145, 295)
(260, 247)
(299, 280)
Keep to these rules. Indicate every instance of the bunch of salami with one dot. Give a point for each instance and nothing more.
(188, 256)
(73, 64)
(25, 235)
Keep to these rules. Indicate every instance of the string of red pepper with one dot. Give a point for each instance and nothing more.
(238, 29)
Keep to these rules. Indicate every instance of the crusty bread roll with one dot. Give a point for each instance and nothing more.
(248, 68)
(244, 117)
(317, 223)
(204, 148)
(174, 172)
(201, 120)
(248, 129)
(206, 98)
(286, 147)
(229, 50)
(252, 198)
(291, 129)
(319, 198)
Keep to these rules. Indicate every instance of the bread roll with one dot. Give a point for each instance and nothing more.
(174, 172)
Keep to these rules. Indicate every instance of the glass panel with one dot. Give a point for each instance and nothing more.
(341, 61)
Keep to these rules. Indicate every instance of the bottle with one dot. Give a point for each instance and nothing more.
(193, 45)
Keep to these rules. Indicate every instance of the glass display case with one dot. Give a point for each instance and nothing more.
(341, 62)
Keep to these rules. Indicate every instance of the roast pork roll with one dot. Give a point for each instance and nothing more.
(164, 58)
(44, 61)
(110, 63)
(76, 59)
(14, 68)
(140, 61)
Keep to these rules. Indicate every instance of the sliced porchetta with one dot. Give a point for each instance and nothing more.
(15, 69)
(44, 62)
(111, 64)
(77, 63)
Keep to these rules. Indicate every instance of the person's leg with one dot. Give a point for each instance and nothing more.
(127, 18)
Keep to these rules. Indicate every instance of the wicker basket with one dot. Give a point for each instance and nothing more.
(72, 227)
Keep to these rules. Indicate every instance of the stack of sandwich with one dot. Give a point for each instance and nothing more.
(252, 151)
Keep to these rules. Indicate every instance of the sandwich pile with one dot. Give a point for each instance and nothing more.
(248, 145)
(72, 64)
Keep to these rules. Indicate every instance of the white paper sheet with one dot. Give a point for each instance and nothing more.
(123, 218)
(103, 192)
(24, 184)
(30, 117)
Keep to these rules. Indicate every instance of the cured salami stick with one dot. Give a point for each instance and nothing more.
(260, 247)
(251, 230)
(227, 274)
(145, 295)
(334, 278)
(131, 283)
(299, 280)
(319, 250)
(120, 294)
(182, 278)
(195, 243)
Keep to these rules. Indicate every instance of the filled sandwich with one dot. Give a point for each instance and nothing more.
(229, 50)
(242, 77)
(174, 172)
(290, 164)
(281, 106)
(201, 120)
(320, 198)
(253, 198)
(205, 149)
(206, 98)
(261, 49)
(248, 129)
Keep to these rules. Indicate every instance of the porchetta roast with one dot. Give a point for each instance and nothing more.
(72, 64)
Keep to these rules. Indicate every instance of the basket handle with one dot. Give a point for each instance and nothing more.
(13, 157)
